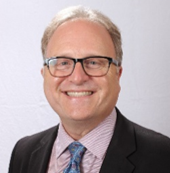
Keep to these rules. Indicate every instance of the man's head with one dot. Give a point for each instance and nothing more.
(80, 98)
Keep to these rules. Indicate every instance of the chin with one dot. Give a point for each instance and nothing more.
(79, 117)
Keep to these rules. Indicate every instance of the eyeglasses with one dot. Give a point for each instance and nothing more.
(95, 66)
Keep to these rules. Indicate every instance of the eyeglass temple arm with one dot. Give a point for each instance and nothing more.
(116, 63)
(45, 63)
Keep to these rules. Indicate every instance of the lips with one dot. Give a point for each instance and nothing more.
(78, 93)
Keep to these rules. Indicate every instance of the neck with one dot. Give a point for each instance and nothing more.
(78, 129)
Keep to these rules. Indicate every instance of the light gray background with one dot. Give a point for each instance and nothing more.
(145, 95)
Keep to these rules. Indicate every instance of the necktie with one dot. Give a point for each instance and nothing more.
(76, 150)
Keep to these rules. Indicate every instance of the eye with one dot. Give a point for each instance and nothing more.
(63, 63)
(93, 63)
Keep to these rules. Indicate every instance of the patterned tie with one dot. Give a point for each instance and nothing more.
(76, 150)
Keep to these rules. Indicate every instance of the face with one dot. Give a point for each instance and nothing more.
(79, 97)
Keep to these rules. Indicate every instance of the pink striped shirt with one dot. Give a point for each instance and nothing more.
(96, 143)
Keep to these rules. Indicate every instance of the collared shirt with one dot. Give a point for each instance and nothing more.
(96, 143)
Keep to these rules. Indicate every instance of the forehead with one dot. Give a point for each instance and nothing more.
(80, 37)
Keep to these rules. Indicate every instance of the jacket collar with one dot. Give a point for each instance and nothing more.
(121, 146)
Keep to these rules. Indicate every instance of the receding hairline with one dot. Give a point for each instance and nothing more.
(83, 13)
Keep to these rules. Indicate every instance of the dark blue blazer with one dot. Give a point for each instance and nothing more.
(133, 149)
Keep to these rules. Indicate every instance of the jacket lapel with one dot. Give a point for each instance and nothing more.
(41, 155)
(121, 146)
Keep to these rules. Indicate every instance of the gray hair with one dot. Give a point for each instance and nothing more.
(80, 12)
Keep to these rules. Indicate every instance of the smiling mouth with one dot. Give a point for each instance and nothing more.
(79, 94)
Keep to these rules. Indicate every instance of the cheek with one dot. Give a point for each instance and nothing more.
(48, 90)
(52, 92)
(51, 86)
(111, 87)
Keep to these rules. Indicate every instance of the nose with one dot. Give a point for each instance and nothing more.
(78, 75)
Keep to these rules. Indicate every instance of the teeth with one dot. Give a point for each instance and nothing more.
(79, 94)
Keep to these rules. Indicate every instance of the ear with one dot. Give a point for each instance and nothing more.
(120, 70)
(42, 72)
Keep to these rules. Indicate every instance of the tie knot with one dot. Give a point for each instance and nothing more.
(77, 150)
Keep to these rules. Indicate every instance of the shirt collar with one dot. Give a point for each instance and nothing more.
(101, 135)
(63, 141)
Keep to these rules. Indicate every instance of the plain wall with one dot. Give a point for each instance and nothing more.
(145, 83)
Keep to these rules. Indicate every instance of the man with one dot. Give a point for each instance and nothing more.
(82, 68)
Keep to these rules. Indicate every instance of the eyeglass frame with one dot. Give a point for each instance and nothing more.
(75, 60)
